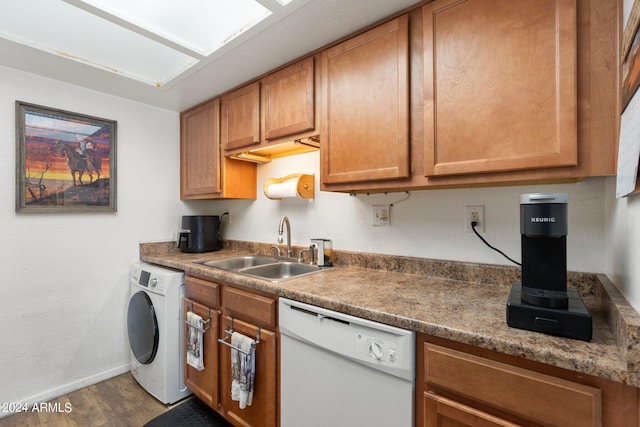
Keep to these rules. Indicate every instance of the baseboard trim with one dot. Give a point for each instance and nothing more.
(70, 387)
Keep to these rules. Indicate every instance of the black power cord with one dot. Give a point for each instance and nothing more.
(473, 227)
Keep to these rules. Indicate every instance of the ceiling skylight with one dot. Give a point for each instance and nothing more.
(200, 25)
(151, 41)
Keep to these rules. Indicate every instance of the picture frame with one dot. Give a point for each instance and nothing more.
(631, 56)
(628, 172)
(65, 161)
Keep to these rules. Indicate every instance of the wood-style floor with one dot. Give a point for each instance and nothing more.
(117, 402)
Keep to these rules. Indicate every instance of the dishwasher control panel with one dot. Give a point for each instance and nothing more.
(376, 348)
(380, 346)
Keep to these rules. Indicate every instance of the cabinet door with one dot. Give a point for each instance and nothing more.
(443, 412)
(263, 410)
(241, 117)
(366, 106)
(499, 85)
(200, 151)
(532, 396)
(204, 172)
(289, 100)
(204, 384)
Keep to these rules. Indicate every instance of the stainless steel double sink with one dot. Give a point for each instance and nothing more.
(264, 267)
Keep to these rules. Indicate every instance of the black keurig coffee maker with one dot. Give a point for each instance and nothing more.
(542, 301)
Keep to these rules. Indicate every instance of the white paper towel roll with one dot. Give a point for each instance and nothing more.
(283, 189)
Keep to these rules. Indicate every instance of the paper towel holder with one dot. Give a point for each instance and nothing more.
(300, 185)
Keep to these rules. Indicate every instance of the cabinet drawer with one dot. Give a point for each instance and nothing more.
(203, 291)
(526, 394)
(254, 308)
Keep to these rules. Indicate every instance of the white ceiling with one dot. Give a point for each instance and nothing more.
(288, 33)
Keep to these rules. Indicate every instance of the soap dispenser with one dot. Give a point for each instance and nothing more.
(325, 252)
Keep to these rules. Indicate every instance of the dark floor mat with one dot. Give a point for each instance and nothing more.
(192, 413)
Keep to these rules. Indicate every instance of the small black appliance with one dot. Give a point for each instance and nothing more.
(200, 233)
(542, 302)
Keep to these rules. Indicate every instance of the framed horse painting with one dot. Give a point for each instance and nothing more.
(65, 162)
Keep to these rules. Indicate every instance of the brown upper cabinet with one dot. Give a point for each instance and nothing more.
(365, 123)
(240, 120)
(500, 92)
(453, 93)
(274, 116)
(204, 172)
(288, 101)
(499, 85)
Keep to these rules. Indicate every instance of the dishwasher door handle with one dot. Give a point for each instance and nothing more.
(320, 316)
(335, 319)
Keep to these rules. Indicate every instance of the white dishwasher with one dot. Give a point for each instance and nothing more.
(339, 370)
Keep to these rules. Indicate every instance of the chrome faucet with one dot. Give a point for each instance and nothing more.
(284, 220)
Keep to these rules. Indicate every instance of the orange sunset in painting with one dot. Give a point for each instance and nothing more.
(66, 160)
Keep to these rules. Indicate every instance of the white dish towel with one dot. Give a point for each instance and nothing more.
(243, 369)
(195, 349)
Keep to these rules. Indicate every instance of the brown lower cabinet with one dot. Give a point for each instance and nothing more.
(204, 384)
(252, 315)
(263, 410)
(460, 385)
(456, 384)
(203, 298)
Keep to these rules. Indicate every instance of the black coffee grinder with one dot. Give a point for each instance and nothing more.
(542, 302)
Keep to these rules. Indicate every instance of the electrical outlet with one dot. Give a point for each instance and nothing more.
(474, 213)
(380, 215)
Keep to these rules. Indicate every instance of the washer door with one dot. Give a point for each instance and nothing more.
(142, 326)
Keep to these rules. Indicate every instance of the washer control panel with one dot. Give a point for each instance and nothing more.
(151, 282)
(154, 279)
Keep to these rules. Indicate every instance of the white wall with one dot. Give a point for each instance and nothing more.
(623, 243)
(429, 224)
(64, 285)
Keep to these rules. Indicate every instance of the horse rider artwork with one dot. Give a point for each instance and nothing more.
(81, 158)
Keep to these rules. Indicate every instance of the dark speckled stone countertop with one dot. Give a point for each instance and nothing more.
(463, 302)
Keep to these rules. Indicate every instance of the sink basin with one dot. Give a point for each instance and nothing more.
(240, 262)
(281, 270)
(263, 267)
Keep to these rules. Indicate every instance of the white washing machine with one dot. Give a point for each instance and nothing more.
(156, 331)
